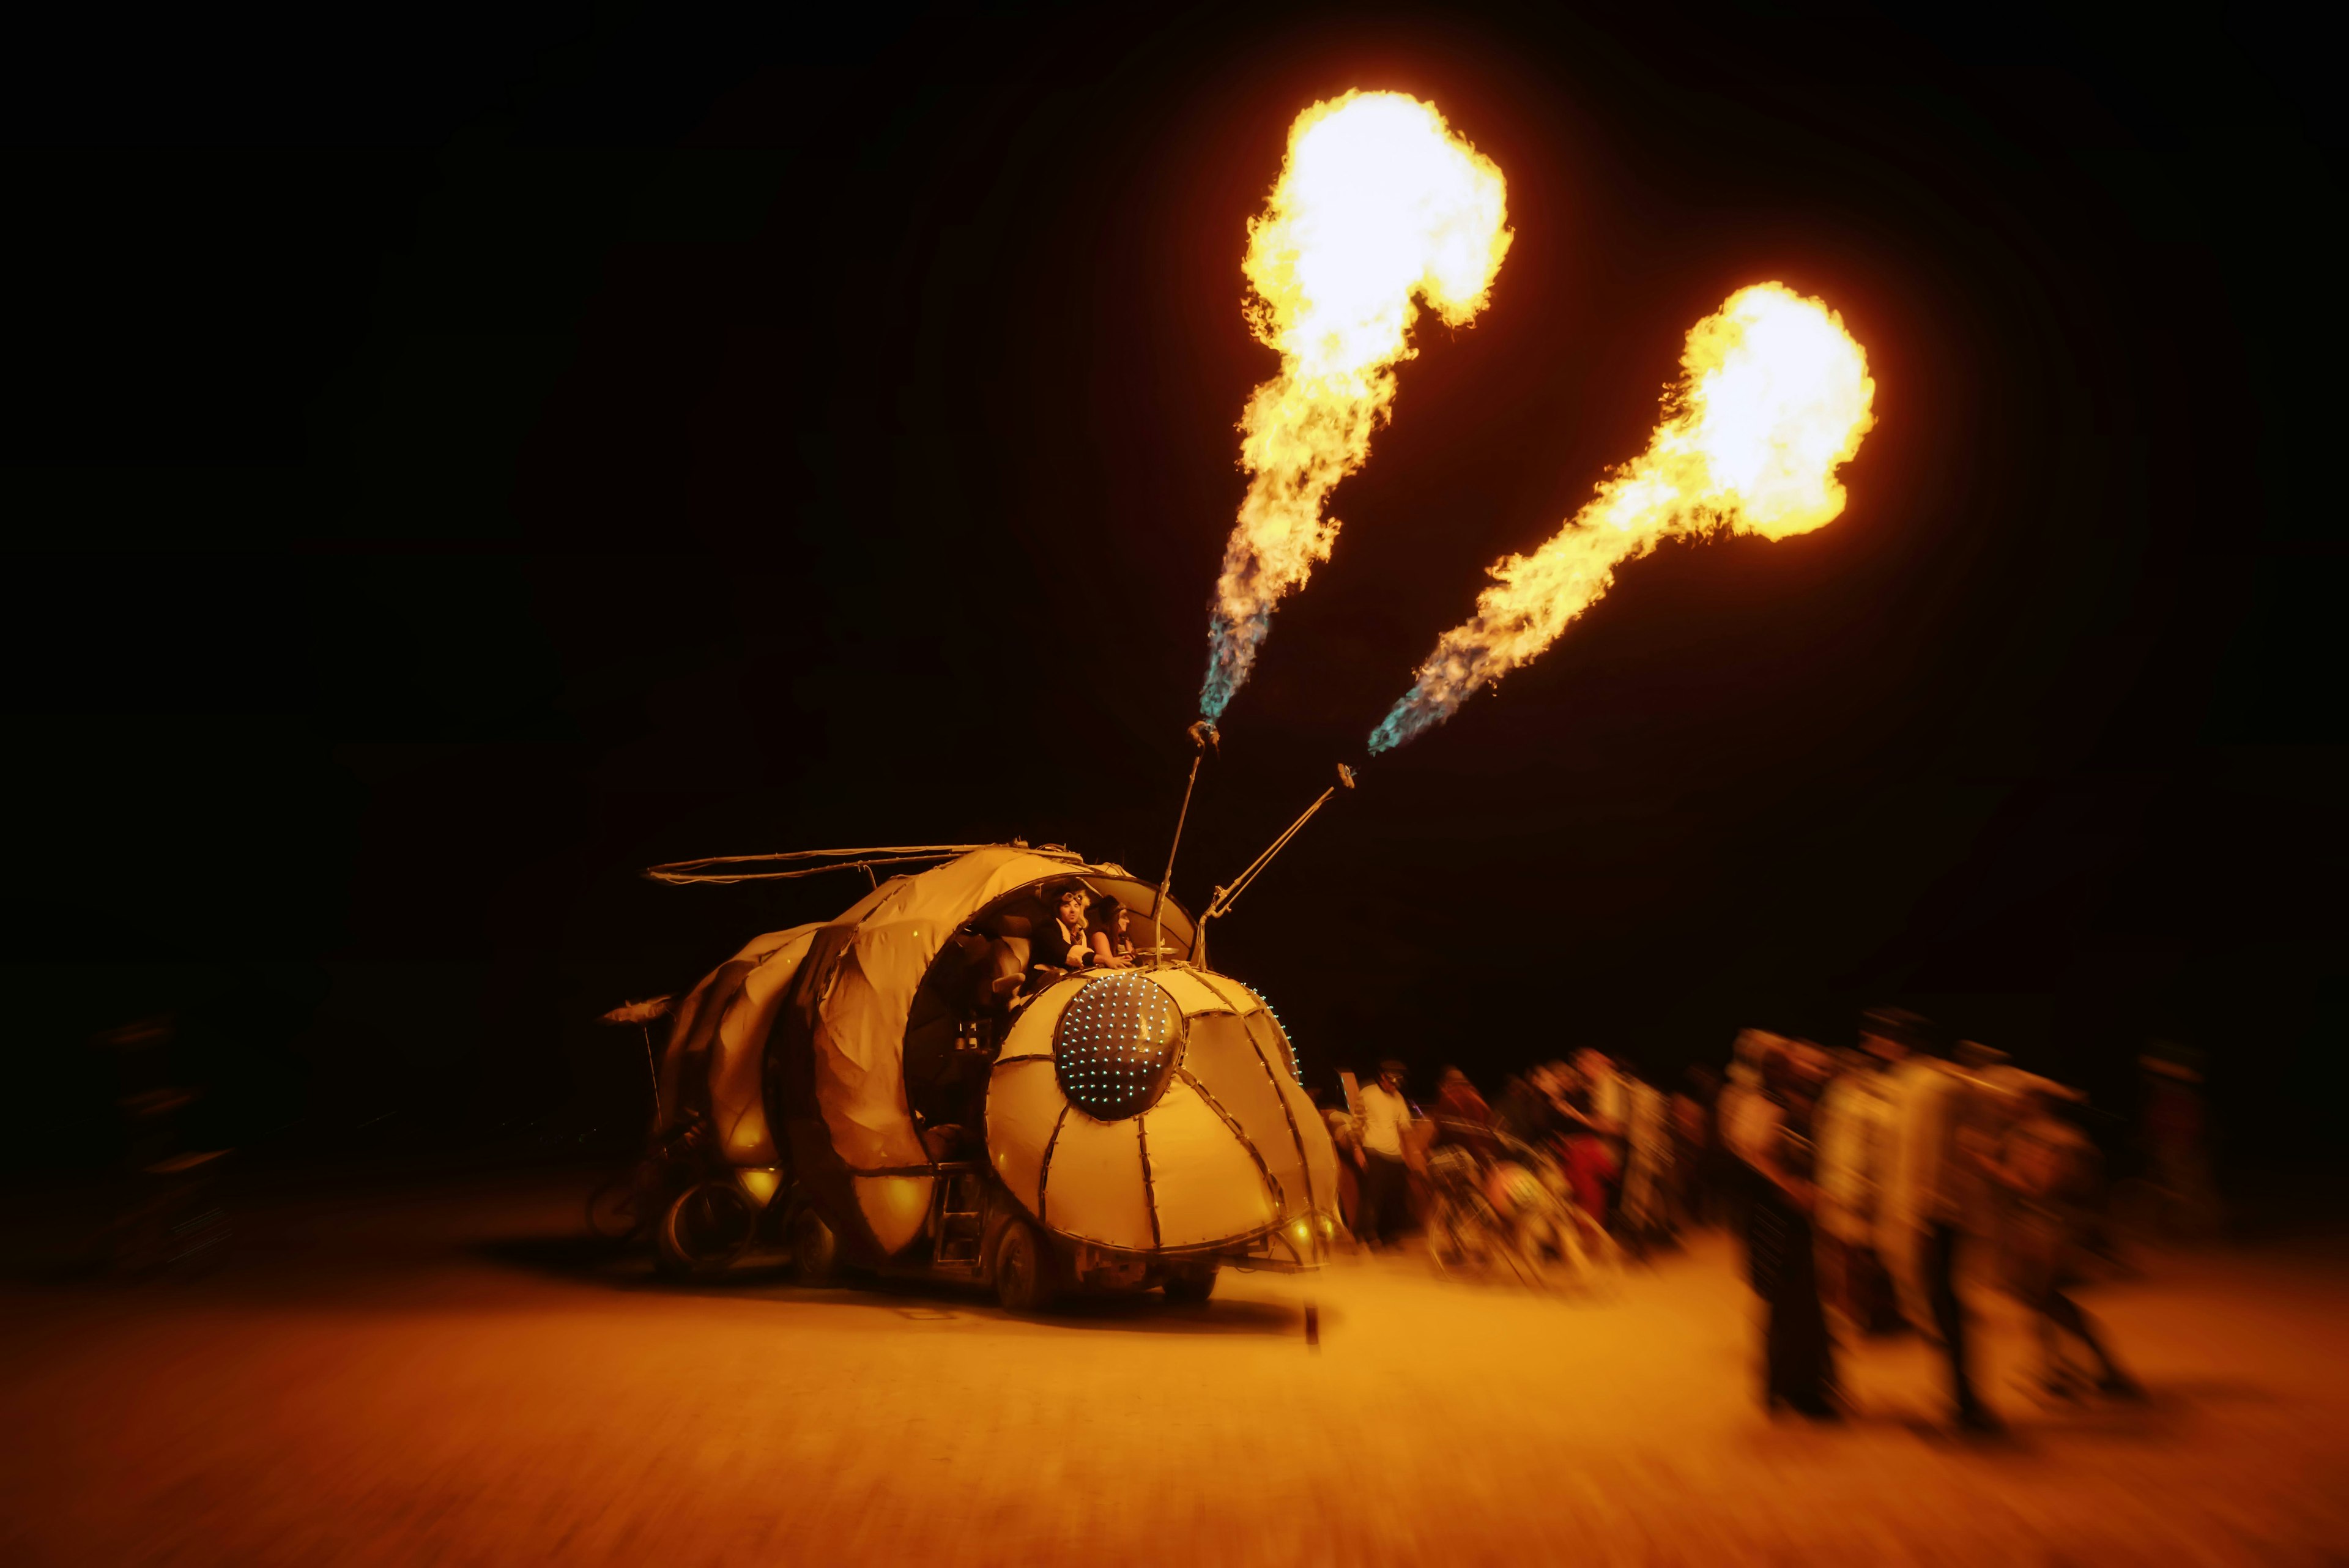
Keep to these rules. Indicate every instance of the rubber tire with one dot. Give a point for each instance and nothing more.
(815, 1250)
(1192, 1287)
(681, 1253)
(1023, 1278)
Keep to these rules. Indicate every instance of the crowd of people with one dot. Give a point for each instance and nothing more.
(1863, 1183)
(1634, 1157)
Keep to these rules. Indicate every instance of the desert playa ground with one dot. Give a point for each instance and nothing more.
(441, 1372)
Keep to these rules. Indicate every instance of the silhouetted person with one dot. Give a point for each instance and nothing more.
(1465, 1120)
(1527, 1111)
(1648, 1203)
(1773, 1140)
(1695, 1148)
(2174, 1133)
(1587, 1154)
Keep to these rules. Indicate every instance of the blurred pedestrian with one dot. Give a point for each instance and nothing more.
(1386, 1118)
(1591, 1165)
(1346, 1134)
(1606, 1103)
(1694, 1146)
(1927, 1191)
(2047, 1168)
(1773, 1140)
(1528, 1109)
(1854, 1143)
(1649, 1212)
(1462, 1116)
(1741, 1100)
(2174, 1132)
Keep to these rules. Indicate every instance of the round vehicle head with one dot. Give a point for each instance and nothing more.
(1158, 1110)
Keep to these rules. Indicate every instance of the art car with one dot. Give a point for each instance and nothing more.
(912, 1088)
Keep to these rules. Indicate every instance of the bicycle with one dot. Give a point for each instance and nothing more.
(628, 1203)
(1500, 1201)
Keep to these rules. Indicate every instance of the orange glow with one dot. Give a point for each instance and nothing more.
(1380, 206)
(1774, 398)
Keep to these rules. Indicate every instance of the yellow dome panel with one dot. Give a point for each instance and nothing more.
(1191, 993)
(1024, 1105)
(1214, 1190)
(1235, 996)
(1092, 1183)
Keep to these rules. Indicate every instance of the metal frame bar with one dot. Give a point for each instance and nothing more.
(1203, 734)
(681, 873)
(1228, 894)
(1044, 1169)
(1149, 1188)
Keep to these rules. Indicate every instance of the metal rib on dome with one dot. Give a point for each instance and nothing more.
(1115, 1044)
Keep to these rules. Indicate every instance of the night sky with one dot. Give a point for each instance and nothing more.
(450, 467)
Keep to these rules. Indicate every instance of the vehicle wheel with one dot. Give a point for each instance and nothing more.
(1023, 1280)
(709, 1226)
(815, 1250)
(612, 1208)
(1192, 1287)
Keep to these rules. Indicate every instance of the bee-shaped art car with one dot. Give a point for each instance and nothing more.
(929, 1084)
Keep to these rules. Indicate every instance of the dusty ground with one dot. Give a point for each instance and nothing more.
(442, 1377)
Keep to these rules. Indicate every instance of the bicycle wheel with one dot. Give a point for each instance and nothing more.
(710, 1225)
(614, 1210)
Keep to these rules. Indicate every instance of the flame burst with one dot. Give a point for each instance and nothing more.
(1379, 204)
(1775, 397)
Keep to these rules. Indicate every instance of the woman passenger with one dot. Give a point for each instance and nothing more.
(1112, 948)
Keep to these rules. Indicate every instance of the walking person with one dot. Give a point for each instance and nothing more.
(1739, 1102)
(1927, 1190)
(1603, 1106)
(1463, 1118)
(1694, 1154)
(1773, 1141)
(1853, 1115)
(1649, 1211)
(1378, 1154)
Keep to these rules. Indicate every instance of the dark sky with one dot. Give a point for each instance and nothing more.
(451, 466)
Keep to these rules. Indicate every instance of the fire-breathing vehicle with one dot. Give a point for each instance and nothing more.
(917, 1087)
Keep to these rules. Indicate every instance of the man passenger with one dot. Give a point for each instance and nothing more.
(1059, 944)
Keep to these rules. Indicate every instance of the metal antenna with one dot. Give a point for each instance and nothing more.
(1203, 735)
(719, 867)
(1226, 896)
(641, 1014)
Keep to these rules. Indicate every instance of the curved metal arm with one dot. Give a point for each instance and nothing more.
(682, 872)
(1203, 735)
(1226, 896)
